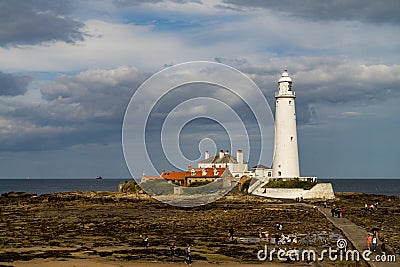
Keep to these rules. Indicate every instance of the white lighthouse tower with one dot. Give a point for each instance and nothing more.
(285, 164)
(286, 157)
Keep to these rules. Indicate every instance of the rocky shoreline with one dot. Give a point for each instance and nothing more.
(109, 225)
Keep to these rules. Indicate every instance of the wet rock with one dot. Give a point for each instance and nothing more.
(103, 223)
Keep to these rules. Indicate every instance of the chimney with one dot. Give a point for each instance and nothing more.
(221, 154)
(239, 156)
(206, 155)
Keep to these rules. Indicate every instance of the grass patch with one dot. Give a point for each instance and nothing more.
(307, 185)
(158, 187)
(206, 188)
(130, 187)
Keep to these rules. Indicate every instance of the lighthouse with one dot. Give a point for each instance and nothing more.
(286, 157)
(285, 163)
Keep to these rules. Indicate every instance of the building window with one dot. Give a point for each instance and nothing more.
(279, 173)
(290, 102)
(216, 172)
(269, 174)
(291, 138)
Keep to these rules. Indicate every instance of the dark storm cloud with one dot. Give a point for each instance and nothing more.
(33, 22)
(370, 11)
(12, 85)
(87, 108)
(327, 80)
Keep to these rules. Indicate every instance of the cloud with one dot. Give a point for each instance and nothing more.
(35, 22)
(12, 85)
(253, 37)
(369, 11)
(115, 45)
(327, 81)
(351, 114)
(86, 108)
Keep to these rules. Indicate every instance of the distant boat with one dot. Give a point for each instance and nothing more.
(99, 178)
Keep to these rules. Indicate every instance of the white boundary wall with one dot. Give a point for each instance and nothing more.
(319, 191)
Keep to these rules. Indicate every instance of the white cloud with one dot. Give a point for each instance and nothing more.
(255, 36)
(115, 45)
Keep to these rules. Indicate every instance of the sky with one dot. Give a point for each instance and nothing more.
(68, 70)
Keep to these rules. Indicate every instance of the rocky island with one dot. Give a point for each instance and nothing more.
(107, 228)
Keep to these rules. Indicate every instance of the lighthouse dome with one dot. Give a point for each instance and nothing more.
(285, 77)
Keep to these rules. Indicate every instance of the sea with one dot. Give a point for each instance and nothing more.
(390, 187)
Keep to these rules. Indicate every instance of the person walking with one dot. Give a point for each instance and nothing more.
(369, 241)
(283, 239)
(383, 248)
(260, 236)
(188, 255)
(146, 242)
(231, 232)
(375, 232)
(338, 212)
(374, 243)
(172, 248)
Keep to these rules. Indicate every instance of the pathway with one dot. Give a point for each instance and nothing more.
(358, 236)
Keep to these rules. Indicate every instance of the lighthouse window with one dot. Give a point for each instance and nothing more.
(291, 138)
(290, 102)
(279, 173)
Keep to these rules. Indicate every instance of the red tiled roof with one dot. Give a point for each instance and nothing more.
(198, 172)
(173, 175)
(208, 172)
